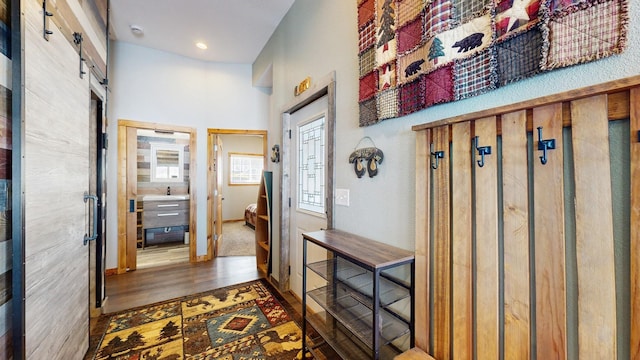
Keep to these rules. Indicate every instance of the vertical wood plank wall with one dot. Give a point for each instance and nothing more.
(594, 229)
(516, 236)
(508, 282)
(635, 223)
(462, 242)
(549, 214)
(423, 187)
(486, 223)
(442, 253)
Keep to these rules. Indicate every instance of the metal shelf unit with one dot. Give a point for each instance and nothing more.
(358, 319)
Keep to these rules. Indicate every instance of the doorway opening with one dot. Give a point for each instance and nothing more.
(234, 157)
(156, 195)
(97, 187)
(323, 96)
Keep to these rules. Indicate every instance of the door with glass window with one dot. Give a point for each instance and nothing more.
(308, 182)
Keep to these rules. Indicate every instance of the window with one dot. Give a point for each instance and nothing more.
(245, 169)
(311, 166)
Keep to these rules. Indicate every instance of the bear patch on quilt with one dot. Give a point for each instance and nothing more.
(418, 53)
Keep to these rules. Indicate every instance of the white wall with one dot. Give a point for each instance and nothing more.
(317, 37)
(154, 86)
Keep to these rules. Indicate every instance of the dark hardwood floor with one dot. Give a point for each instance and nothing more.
(146, 286)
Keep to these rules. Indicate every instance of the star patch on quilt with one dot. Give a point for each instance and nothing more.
(418, 53)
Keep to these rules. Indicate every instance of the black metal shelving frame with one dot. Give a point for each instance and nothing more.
(358, 321)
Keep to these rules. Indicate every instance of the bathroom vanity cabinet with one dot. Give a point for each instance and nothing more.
(165, 214)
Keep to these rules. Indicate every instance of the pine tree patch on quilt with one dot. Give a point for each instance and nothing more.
(418, 53)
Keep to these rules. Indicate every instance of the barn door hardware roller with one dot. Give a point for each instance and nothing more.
(435, 155)
(482, 151)
(372, 155)
(77, 39)
(544, 145)
(45, 14)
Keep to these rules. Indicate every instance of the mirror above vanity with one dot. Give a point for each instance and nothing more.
(167, 162)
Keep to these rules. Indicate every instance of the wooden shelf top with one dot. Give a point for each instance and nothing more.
(368, 252)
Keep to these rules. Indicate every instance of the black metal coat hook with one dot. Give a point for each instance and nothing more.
(435, 155)
(482, 151)
(544, 145)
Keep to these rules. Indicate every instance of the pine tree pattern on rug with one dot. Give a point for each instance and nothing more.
(246, 321)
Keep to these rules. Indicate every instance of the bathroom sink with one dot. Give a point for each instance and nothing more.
(164, 197)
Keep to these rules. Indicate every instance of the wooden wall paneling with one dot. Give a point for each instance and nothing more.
(548, 208)
(423, 196)
(594, 229)
(635, 224)
(442, 251)
(132, 194)
(617, 88)
(516, 236)
(486, 210)
(462, 241)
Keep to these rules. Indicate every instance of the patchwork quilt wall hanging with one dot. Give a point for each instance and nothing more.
(414, 54)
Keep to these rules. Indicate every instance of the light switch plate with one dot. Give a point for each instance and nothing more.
(342, 197)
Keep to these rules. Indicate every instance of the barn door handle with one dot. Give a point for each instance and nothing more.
(88, 238)
(544, 145)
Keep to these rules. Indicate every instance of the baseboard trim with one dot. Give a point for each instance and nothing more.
(202, 258)
(110, 272)
(274, 282)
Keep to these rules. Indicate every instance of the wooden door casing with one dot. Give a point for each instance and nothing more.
(215, 185)
(132, 196)
(127, 190)
(218, 197)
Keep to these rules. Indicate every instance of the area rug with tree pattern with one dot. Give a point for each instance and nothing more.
(245, 321)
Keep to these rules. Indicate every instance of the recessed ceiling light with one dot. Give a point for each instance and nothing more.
(137, 30)
(201, 45)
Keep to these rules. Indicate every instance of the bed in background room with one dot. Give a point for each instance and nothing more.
(250, 215)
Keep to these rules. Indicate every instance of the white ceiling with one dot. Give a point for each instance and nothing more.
(235, 31)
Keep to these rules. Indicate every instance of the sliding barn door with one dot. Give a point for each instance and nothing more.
(56, 173)
(515, 232)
